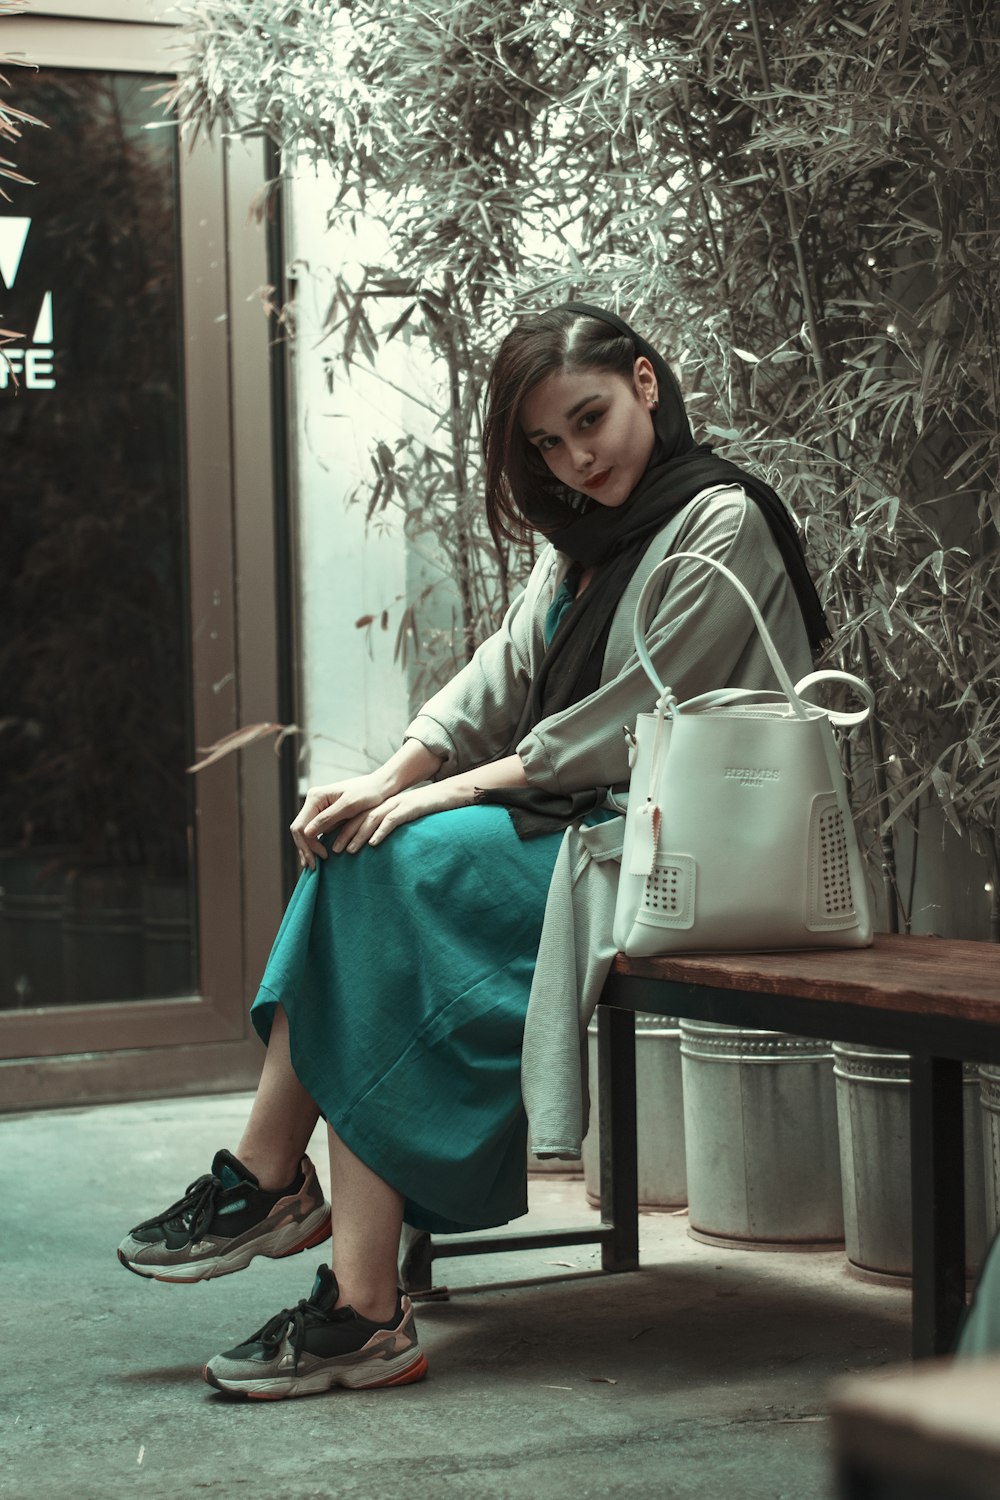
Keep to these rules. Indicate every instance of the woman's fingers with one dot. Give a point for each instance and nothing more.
(356, 827)
(394, 817)
(310, 849)
(368, 827)
(323, 809)
(377, 825)
(321, 812)
(348, 833)
(305, 835)
(312, 804)
(340, 809)
(340, 806)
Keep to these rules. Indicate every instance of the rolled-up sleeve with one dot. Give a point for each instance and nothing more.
(472, 719)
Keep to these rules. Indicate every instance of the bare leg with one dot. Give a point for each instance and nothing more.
(282, 1118)
(367, 1219)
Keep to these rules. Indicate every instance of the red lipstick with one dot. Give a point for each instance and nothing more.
(596, 480)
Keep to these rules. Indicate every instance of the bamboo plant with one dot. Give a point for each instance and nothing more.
(796, 200)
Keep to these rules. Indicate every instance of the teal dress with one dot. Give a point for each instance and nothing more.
(404, 971)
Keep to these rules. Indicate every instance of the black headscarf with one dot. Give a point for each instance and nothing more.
(613, 539)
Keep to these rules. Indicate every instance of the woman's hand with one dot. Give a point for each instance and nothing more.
(376, 823)
(365, 809)
(326, 806)
(342, 801)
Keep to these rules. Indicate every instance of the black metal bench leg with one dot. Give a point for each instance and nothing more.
(937, 1168)
(619, 1165)
(416, 1260)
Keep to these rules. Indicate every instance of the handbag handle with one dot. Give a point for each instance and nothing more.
(791, 692)
(835, 715)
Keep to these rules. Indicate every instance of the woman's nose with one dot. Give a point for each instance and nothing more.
(582, 456)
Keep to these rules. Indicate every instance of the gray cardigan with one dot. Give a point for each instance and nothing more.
(701, 636)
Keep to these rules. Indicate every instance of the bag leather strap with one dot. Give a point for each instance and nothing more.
(837, 716)
(791, 691)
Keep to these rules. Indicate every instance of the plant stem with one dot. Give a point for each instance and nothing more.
(463, 547)
(886, 840)
(908, 909)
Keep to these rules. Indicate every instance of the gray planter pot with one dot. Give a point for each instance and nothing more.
(873, 1110)
(760, 1124)
(659, 1115)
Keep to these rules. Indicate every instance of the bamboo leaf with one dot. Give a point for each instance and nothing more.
(903, 12)
(946, 796)
(238, 740)
(401, 321)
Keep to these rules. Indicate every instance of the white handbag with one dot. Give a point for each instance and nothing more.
(739, 833)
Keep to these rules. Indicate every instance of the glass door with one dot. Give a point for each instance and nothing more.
(96, 812)
(128, 920)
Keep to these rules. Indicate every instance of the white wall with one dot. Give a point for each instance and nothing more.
(351, 691)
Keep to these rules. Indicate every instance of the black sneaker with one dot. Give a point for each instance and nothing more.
(310, 1348)
(224, 1220)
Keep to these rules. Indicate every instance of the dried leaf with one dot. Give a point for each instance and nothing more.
(238, 740)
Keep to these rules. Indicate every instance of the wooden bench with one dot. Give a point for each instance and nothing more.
(923, 1431)
(935, 998)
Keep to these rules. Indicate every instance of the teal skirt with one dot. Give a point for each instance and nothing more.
(404, 971)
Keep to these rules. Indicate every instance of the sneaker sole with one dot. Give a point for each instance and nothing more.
(280, 1388)
(312, 1231)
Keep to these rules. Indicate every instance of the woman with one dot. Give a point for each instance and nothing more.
(395, 997)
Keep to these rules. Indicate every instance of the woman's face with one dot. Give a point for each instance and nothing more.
(594, 429)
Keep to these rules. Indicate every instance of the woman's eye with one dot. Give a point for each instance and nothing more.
(589, 418)
(547, 444)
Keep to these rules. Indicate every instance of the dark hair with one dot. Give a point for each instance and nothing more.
(538, 346)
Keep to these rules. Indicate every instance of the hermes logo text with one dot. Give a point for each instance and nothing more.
(751, 775)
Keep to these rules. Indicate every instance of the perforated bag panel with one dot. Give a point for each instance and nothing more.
(832, 903)
(668, 893)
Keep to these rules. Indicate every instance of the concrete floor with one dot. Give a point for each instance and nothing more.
(705, 1374)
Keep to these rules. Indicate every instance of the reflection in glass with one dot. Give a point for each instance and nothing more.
(95, 808)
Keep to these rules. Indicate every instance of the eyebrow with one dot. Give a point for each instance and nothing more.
(540, 431)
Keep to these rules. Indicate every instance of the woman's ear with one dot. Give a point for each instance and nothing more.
(645, 382)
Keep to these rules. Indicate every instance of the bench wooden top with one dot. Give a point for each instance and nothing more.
(922, 975)
(936, 1422)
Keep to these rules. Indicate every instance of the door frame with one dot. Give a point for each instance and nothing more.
(143, 1048)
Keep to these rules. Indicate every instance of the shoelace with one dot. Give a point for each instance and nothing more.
(297, 1319)
(195, 1210)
